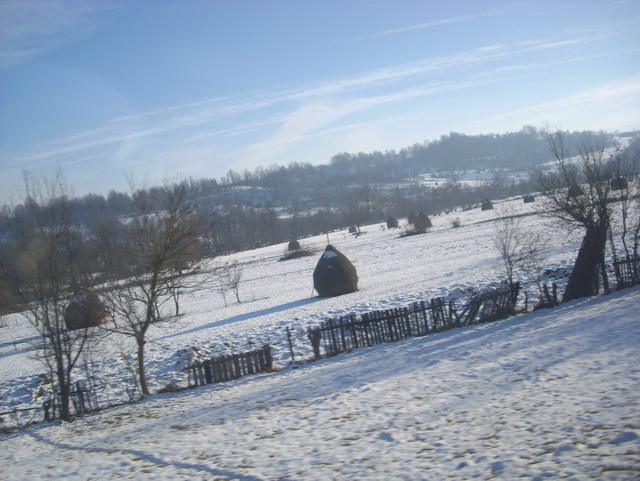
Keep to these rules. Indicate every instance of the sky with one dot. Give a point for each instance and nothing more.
(153, 90)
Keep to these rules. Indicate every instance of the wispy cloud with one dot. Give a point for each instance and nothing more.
(29, 28)
(81, 160)
(231, 131)
(425, 25)
(303, 110)
(312, 119)
(626, 89)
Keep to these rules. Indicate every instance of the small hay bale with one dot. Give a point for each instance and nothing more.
(84, 310)
(392, 222)
(486, 205)
(422, 222)
(619, 183)
(294, 245)
(575, 191)
(334, 274)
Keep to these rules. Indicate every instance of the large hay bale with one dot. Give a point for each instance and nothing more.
(392, 222)
(294, 245)
(422, 222)
(619, 183)
(84, 310)
(334, 274)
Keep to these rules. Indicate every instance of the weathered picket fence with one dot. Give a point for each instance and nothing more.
(348, 332)
(83, 401)
(227, 368)
(627, 271)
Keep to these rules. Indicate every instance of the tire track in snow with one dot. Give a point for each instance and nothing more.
(150, 458)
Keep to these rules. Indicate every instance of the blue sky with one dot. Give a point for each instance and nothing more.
(155, 89)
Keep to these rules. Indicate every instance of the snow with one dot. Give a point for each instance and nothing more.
(329, 254)
(392, 270)
(547, 395)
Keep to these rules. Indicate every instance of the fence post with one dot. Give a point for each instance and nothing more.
(293, 357)
(314, 336)
(208, 378)
(47, 406)
(236, 365)
(268, 357)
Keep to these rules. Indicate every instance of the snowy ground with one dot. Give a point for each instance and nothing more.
(546, 395)
(393, 272)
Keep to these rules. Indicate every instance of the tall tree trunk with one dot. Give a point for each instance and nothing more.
(142, 376)
(65, 395)
(605, 275)
(175, 294)
(584, 276)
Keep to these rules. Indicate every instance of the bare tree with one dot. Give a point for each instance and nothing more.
(626, 212)
(519, 249)
(164, 247)
(233, 277)
(47, 267)
(579, 194)
(228, 279)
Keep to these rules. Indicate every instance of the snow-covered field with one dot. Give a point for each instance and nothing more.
(546, 395)
(393, 272)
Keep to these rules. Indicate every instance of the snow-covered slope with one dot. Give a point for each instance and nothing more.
(546, 395)
(393, 272)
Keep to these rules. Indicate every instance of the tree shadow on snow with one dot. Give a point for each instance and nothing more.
(247, 316)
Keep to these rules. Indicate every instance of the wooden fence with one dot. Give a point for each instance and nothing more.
(348, 332)
(83, 400)
(627, 271)
(226, 368)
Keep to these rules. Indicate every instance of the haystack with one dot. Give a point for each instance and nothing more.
(619, 183)
(334, 274)
(392, 222)
(411, 218)
(354, 229)
(575, 191)
(84, 310)
(487, 205)
(528, 198)
(422, 222)
(294, 245)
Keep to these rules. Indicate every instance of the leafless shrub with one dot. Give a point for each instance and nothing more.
(519, 248)
(227, 279)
